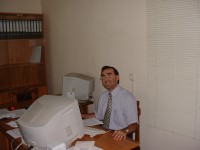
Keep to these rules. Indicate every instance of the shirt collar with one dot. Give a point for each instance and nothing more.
(115, 91)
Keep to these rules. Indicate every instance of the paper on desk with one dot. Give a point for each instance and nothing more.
(95, 148)
(91, 122)
(17, 113)
(5, 113)
(12, 124)
(84, 145)
(15, 133)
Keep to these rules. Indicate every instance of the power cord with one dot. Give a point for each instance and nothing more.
(19, 145)
(11, 143)
(22, 142)
(91, 98)
(30, 147)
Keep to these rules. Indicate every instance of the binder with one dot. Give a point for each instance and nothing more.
(4, 29)
(20, 28)
(1, 29)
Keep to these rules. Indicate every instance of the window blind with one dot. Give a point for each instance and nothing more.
(173, 50)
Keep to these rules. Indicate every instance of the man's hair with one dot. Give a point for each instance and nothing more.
(110, 67)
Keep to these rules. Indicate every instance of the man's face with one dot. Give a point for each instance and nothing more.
(109, 79)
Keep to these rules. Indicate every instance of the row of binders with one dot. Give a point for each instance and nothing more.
(20, 29)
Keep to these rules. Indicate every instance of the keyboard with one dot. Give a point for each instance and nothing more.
(93, 131)
(15, 133)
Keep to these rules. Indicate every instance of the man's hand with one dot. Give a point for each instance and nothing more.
(119, 135)
(87, 116)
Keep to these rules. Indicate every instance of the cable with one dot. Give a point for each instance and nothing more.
(19, 145)
(132, 83)
(30, 147)
(132, 86)
(11, 144)
(80, 107)
(91, 98)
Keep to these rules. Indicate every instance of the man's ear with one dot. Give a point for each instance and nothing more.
(118, 77)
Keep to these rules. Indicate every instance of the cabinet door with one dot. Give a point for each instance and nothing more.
(15, 51)
(3, 142)
(22, 54)
(34, 74)
(3, 52)
(5, 81)
(4, 99)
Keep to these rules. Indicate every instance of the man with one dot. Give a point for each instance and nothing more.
(123, 117)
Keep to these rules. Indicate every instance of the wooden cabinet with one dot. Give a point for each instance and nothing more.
(3, 141)
(22, 54)
(6, 141)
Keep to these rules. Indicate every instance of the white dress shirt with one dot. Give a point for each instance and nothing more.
(124, 108)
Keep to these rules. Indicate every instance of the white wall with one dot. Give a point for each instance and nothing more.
(20, 6)
(159, 139)
(84, 35)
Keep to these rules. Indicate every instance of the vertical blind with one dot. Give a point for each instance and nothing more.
(173, 36)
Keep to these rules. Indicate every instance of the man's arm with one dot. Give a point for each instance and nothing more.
(121, 134)
(131, 128)
(87, 116)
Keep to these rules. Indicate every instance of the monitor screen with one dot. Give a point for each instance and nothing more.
(82, 86)
(51, 118)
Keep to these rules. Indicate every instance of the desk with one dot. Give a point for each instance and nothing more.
(104, 141)
(83, 105)
(18, 105)
(6, 139)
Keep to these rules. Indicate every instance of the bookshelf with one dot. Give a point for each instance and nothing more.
(22, 54)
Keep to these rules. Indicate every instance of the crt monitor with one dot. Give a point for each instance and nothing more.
(51, 119)
(82, 86)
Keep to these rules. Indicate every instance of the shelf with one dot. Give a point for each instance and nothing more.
(21, 26)
(20, 65)
(21, 51)
(22, 54)
(22, 75)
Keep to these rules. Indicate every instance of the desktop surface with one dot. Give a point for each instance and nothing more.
(103, 141)
(106, 142)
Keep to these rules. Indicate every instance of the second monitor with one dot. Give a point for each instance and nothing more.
(79, 85)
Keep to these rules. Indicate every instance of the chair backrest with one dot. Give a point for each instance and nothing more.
(137, 132)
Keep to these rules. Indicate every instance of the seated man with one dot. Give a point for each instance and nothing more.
(116, 107)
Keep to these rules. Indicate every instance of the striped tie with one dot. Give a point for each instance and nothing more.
(106, 120)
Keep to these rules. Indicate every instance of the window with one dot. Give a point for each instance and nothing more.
(173, 35)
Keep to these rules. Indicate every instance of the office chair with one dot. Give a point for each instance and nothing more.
(136, 134)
